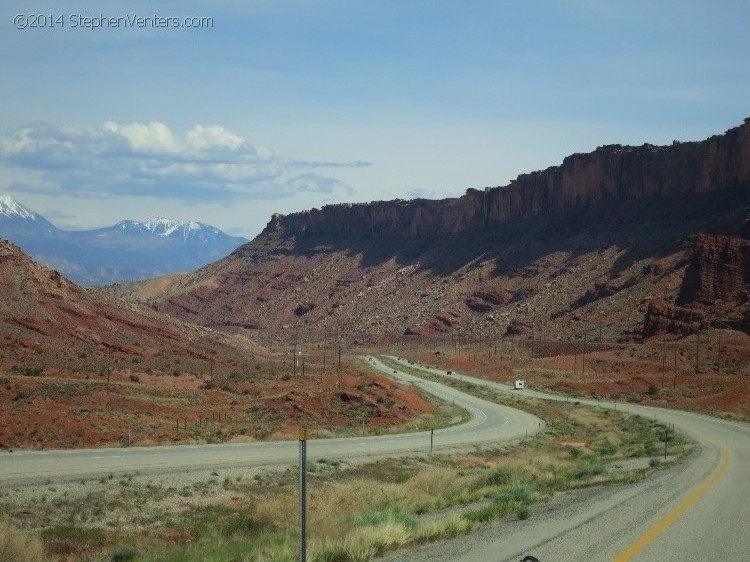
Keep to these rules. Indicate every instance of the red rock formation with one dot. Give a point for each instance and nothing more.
(612, 172)
(663, 318)
(718, 274)
(715, 290)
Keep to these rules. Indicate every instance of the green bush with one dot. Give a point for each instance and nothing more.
(518, 493)
(124, 554)
(523, 512)
(498, 477)
(588, 471)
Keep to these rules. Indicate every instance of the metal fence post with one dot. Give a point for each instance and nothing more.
(302, 494)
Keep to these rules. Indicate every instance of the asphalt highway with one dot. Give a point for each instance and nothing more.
(488, 424)
(698, 511)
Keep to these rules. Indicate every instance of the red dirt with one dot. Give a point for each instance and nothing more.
(61, 344)
(631, 373)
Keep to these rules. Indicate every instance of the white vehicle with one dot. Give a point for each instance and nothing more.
(518, 385)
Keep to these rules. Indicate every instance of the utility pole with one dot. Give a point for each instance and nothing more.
(294, 356)
(211, 362)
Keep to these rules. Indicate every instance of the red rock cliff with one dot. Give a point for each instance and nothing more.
(611, 172)
(718, 274)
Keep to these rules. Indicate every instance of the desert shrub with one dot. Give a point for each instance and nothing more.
(518, 493)
(135, 378)
(606, 448)
(28, 371)
(124, 554)
(523, 512)
(588, 471)
(498, 477)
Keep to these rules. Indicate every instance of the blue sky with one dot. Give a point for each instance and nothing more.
(282, 106)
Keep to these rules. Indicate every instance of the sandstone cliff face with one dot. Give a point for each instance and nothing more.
(715, 290)
(719, 273)
(611, 172)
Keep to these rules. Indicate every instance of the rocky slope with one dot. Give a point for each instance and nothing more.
(80, 369)
(48, 322)
(580, 246)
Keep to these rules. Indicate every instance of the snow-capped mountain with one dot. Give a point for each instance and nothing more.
(129, 250)
(165, 228)
(13, 215)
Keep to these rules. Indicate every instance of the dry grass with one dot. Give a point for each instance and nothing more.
(18, 546)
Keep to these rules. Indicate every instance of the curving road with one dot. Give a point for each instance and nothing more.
(488, 423)
(698, 511)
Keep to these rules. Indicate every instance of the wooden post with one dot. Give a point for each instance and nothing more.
(697, 350)
(718, 355)
(583, 357)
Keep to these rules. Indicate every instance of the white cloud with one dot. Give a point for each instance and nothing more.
(214, 136)
(208, 163)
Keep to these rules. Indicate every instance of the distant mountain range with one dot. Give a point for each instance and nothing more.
(127, 251)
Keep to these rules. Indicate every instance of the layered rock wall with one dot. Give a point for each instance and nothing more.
(611, 172)
(719, 272)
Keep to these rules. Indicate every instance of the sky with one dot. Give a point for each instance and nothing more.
(227, 111)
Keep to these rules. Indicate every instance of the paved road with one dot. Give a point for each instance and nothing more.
(698, 511)
(488, 423)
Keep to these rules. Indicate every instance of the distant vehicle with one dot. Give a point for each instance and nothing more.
(518, 385)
